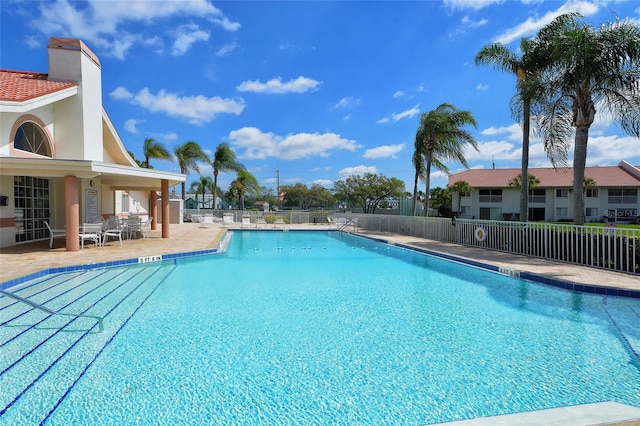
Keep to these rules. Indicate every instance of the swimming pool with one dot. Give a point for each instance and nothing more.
(310, 328)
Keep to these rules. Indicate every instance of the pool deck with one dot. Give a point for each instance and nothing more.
(21, 260)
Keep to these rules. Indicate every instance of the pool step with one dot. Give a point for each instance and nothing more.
(67, 297)
(626, 320)
(65, 347)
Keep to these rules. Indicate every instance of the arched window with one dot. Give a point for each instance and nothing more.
(31, 138)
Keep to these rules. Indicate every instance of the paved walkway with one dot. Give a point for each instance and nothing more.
(21, 260)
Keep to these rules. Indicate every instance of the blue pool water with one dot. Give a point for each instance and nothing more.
(312, 328)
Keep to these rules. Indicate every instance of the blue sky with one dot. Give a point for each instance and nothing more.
(316, 90)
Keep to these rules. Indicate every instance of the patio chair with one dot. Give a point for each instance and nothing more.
(246, 221)
(260, 220)
(113, 228)
(55, 233)
(146, 227)
(134, 226)
(227, 219)
(92, 232)
(279, 221)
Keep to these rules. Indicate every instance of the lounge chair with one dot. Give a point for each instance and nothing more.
(55, 233)
(246, 221)
(279, 221)
(260, 220)
(92, 232)
(227, 219)
(113, 229)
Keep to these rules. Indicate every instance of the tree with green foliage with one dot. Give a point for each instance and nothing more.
(585, 67)
(244, 183)
(441, 201)
(441, 137)
(516, 182)
(461, 187)
(188, 156)
(201, 186)
(525, 68)
(368, 191)
(156, 150)
(224, 160)
(138, 162)
(304, 197)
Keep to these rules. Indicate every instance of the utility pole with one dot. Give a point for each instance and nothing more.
(278, 188)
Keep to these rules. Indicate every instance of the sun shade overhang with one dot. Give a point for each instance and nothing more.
(115, 176)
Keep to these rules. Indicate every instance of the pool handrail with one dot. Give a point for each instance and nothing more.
(51, 311)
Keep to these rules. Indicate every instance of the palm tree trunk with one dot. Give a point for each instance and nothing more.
(414, 199)
(427, 186)
(579, 164)
(215, 187)
(524, 173)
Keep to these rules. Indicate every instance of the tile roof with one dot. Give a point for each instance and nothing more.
(609, 176)
(20, 86)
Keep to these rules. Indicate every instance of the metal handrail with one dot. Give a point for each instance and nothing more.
(349, 222)
(50, 311)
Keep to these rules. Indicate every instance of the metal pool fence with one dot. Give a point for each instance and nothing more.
(612, 248)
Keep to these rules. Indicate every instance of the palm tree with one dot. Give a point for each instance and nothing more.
(441, 137)
(460, 187)
(202, 185)
(244, 183)
(153, 149)
(418, 165)
(224, 160)
(525, 69)
(587, 67)
(516, 182)
(188, 155)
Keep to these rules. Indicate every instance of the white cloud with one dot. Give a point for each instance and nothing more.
(409, 113)
(357, 170)
(275, 85)
(348, 102)
(399, 94)
(482, 87)
(130, 125)
(383, 151)
(32, 42)
(322, 182)
(101, 23)
(251, 143)
(121, 93)
(468, 22)
(186, 36)
(197, 109)
(169, 137)
(226, 49)
(531, 25)
(346, 117)
(513, 132)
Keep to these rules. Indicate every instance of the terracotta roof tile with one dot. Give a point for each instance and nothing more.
(20, 86)
(609, 176)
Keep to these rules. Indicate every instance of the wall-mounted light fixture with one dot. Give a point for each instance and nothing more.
(4, 200)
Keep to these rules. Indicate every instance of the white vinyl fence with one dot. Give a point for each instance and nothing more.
(613, 248)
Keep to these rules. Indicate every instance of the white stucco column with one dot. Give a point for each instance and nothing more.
(72, 213)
